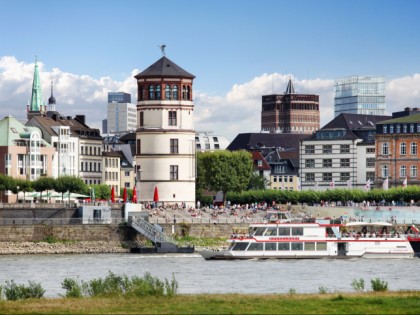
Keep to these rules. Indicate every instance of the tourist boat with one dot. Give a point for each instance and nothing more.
(283, 239)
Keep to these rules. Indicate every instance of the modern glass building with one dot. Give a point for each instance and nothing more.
(119, 97)
(360, 95)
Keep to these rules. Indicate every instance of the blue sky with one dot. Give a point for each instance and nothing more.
(238, 50)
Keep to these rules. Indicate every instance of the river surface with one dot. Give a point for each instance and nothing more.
(196, 275)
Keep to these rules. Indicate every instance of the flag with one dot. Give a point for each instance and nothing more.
(332, 184)
(415, 229)
(385, 184)
(367, 186)
(405, 182)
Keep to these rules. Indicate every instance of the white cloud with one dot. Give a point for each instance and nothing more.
(239, 111)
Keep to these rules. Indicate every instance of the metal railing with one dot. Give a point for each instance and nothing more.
(59, 221)
(149, 231)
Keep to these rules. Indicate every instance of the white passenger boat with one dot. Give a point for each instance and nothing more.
(298, 240)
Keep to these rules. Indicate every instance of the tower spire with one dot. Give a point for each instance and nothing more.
(36, 99)
(51, 100)
(290, 89)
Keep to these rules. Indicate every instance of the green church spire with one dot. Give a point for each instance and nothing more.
(36, 100)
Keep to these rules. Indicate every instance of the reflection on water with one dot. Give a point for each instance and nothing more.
(195, 275)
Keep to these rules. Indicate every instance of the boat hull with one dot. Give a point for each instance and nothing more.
(227, 255)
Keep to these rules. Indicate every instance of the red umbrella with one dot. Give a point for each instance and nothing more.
(156, 195)
(112, 194)
(134, 198)
(125, 195)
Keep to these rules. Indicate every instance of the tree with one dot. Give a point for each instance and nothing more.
(224, 171)
(257, 182)
(22, 185)
(70, 184)
(102, 191)
(43, 183)
(6, 183)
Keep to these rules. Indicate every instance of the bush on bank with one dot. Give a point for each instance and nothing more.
(311, 197)
(120, 285)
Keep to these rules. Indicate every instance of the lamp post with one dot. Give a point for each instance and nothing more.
(17, 194)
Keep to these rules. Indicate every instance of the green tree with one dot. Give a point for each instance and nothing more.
(6, 183)
(70, 184)
(257, 182)
(102, 191)
(224, 171)
(22, 185)
(43, 183)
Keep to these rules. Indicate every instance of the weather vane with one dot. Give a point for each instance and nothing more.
(162, 48)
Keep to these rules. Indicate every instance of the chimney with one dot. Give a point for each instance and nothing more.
(80, 118)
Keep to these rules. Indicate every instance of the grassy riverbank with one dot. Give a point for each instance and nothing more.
(336, 303)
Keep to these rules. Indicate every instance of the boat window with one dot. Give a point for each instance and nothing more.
(297, 231)
(297, 246)
(310, 246)
(260, 231)
(284, 246)
(240, 246)
(256, 246)
(321, 246)
(270, 246)
(284, 231)
(252, 230)
(271, 231)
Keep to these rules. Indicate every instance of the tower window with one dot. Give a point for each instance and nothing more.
(168, 92)
(175, 92)
(173, 172)
(174, 146)
(172, 118)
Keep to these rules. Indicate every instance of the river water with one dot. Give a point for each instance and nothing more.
(196, 275)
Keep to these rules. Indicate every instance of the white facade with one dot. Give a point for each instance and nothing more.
(66, 161)
(121, 117)
(327, 164)
(167, 155)
(205, 141)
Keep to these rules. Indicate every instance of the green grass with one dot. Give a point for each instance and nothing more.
(407, 302)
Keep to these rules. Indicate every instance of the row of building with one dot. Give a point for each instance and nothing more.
(152, 144)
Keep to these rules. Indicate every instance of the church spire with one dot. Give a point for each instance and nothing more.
(51, 100)
(290, 89)
(36, 99)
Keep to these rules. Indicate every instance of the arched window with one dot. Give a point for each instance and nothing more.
(142, 92)
(168, 92)
(189, 93)
(158, 94)
(184, 92)
(385, 149)
(385, 171)
(175, 92)
(151, 92)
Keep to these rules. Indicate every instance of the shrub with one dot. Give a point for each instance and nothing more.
(74, 288)
(120, 285)
(358, 285)
(378, 285)
(292, 291)
(322, 290)
(14, 291)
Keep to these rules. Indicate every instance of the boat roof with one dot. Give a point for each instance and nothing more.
(368, 224)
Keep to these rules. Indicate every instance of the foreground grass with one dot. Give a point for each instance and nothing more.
(361, 303)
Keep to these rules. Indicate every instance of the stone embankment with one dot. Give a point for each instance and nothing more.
(82, 247)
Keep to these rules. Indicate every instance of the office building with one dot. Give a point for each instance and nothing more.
(360, 95)
(121, 114)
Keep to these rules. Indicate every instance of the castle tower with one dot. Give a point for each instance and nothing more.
(165, 136)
